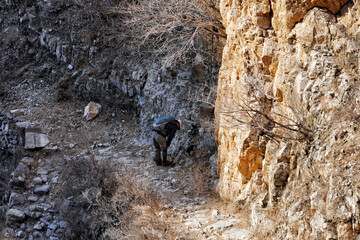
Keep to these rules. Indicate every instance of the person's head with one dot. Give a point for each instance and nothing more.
(179, 124)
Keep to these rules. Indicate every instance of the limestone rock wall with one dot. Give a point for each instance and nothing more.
(288, 116)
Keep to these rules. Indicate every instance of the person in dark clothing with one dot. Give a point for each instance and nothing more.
(162, 140)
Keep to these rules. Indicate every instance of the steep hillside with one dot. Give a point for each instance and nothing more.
(288, 116)
(84, 49)
(56, 56)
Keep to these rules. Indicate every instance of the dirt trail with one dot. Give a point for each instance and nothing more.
(195, 214)
(189, 205)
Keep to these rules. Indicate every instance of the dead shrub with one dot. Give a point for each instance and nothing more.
(170, 31)
(255, 109)
(196, 178)
(83, 180)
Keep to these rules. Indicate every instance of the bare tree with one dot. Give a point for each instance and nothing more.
(170, 29)
(255, 109)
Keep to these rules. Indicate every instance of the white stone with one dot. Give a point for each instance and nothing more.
(223, 224)
(36, 138)
(16, 214)
(238, 234)
(92, 110)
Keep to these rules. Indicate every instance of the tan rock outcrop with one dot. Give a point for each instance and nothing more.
(287, 116)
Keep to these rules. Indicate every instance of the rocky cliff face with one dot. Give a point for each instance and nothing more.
(288, 116)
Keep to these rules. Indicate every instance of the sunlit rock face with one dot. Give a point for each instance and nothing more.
(288, 116)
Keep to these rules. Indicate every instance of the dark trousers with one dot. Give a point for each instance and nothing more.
(160, 149)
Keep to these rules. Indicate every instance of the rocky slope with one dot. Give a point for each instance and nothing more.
(55, 59)
(287, 121)
(61, 42)
(288, 116)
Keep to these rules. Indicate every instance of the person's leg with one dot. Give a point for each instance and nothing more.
(157, 157)
(165, 162)
(162, 143)
(164, 156)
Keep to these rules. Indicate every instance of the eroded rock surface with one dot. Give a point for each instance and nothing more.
(297, 64)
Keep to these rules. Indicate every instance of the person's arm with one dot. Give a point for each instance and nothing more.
(170, 137)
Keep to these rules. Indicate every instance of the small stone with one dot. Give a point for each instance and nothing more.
(23, 125)
(16, 199)
(55, 179)
(15, 215)
(38, 180)
(92, 110)
(35, 207)
(42, 171)
(48, 167)
(48, 232)
(20, 234)
(221, 225)
(27, 161)
(64, 206)
(21, 170)
(46, 206)
(33, 199)
(35, 215)
(62, 224)
(39, 226)
(44, 178)
(42, 199)
(53, 226)
(71, 145)
(42, 190)
(51, 210)
(38, 235)
(17, 112)
(47, 218)
(2, 210)
(50, 149)
(214, 215)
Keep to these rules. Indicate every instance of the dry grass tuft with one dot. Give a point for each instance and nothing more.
(197, 177)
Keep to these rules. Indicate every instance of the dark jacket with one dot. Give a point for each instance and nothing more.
(170, 130)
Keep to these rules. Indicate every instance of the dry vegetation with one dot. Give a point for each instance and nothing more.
(172, 28)
(163, 31)
(111, 200)
(197, 176)
(257, 111)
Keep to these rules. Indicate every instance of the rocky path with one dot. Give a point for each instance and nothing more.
(189, 205)
(197, 215)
